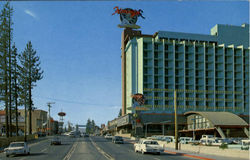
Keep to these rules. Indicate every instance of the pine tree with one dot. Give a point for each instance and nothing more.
(15, 85)
(5, 51)
(120, 113)
(88, 126)
(92, 126)
(30, 73)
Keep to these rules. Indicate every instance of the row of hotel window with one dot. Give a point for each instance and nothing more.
(190, 48)
(198, 59)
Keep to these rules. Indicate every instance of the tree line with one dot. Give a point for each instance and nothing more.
(19, 71)
(90, 126)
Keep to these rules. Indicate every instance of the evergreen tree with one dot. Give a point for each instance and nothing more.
(5, 61)
(15, 84)
(88, 126)
(92, 126)
(120, 113)
(30, 72)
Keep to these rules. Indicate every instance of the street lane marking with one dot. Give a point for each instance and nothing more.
(44, 150)
(37, 142)
(157, 159)
(71, 151)
(106, 155)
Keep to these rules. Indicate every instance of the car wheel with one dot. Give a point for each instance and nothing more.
(158, 153)
(7, 155)
(28, 153)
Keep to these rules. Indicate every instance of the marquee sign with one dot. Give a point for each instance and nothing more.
(128, 17)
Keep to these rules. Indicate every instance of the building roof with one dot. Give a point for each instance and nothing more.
(187, 36)
(2, 112)
(221, 118)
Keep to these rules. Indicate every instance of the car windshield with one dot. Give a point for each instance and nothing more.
(151, 142)
(16, 144)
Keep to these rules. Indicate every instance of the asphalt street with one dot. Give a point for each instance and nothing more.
(88, 148)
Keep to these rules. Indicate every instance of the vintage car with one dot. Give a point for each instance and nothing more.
(148, 146)
(17, 148)
(108, 136)
(117, 139)
(55, 141)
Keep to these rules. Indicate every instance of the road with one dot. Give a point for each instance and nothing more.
(89, 148)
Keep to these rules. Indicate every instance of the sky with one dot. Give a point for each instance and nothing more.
(79, 46)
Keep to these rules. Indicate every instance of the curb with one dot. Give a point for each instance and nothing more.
(187, 155)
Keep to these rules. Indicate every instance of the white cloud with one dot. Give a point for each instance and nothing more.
(30, 13)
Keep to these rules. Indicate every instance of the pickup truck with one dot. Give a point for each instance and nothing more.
(148, 146)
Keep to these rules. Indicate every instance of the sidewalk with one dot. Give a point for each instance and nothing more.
(198, 156)
(191, 154)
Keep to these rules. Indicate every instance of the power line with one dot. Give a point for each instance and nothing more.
(74, 102)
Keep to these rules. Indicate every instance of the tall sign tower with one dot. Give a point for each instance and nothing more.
(128, 19)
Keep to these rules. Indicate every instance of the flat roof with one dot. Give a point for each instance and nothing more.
(187, 36)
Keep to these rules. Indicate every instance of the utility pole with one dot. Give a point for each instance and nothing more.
(49, 126)
(176, 122)
(193, 128)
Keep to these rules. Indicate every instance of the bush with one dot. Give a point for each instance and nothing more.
(223, 146)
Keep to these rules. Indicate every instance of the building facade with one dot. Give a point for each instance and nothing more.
(39, 120)
(209, 73)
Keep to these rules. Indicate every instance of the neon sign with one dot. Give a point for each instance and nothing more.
(128, 17)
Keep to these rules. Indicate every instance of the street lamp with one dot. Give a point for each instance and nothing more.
(147, 128)
(163, 122)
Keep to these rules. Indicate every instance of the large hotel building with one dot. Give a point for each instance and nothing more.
(210, 73)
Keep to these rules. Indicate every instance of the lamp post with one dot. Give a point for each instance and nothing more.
(163, 122)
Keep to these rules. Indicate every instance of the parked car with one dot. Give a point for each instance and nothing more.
(55, 141)
(167, 139)
(117, 139)
(207, 139)
(108, 136)
(17, 148)
(245, 144)
(150, 146)
(185, 140)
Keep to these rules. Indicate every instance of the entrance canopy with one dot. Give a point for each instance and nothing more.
(221, 118)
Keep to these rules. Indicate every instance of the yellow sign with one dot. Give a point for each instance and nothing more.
(141, 108)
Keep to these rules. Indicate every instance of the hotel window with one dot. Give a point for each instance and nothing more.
(166, 47)
(156, 62)
(156, 47)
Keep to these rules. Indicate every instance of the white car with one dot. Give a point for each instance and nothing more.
(185, 140)
(17, 148)
(108, 136)
(149, 146)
